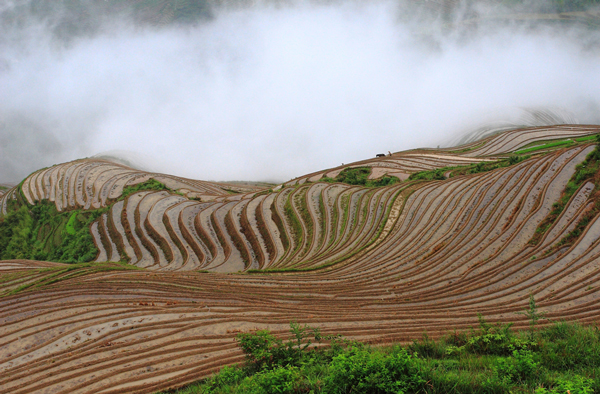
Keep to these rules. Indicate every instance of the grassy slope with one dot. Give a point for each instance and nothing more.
(561, 358)
(40, 232)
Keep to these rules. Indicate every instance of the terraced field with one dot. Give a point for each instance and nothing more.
(378, 264)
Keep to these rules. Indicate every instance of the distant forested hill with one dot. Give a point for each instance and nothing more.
(72, 18)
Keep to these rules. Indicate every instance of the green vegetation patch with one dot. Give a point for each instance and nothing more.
(561, 358)
(41, 232)
(70, 227)
(587, 138)
(150, 184)
(360, 176)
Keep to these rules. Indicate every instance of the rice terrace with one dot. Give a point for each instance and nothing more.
(475, 229)
(473, 267)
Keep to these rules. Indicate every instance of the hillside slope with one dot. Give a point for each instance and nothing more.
(478, 231)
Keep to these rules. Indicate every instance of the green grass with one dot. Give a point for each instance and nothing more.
(586, 138)
(547, 145)
(70, 227)
(490, 359)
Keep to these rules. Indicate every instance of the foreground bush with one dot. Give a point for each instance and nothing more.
(563, 358)
(363, 371)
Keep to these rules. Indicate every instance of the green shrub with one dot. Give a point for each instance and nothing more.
(520, 367)
(494, 340)
(475, 367)
(264, 350)
(456, 338)
(361, 371)
(259, 347)
(514, 159)
(360, 176)
(228, 376)
(432, 175)
(354, 176)
(479, 167)
(385, 180)
(150, 184)
(281, 380)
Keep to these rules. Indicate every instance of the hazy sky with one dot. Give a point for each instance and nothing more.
(271, 94)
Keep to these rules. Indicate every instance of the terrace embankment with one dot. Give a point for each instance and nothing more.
(377, 264)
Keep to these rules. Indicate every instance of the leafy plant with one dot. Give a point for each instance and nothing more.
(351, 367)
(260, 348)
(264, 350)
(361, 371)
(494, 339)
(520, 367)
(229, 375)
(281, 380)
(533, 315)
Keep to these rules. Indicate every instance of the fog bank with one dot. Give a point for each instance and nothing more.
(271, 93)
